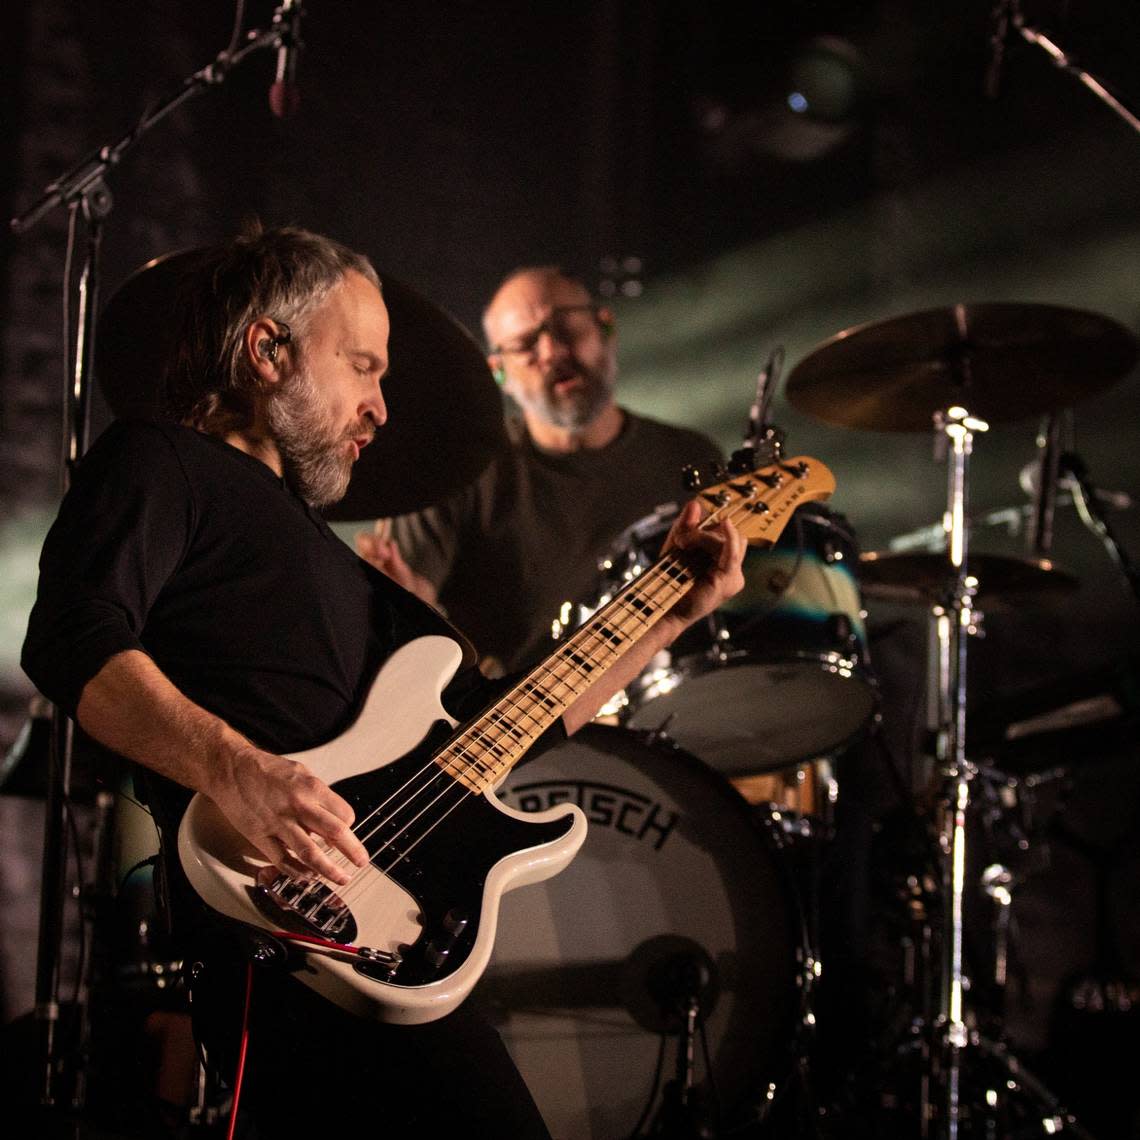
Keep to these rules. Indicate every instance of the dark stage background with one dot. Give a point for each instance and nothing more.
(650, 147)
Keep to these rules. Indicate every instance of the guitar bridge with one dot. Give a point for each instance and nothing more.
(306, 907)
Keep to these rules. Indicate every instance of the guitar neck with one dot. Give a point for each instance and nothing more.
(759, 503)
(488, 748)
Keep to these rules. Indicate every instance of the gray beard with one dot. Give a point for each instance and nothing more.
(579, 410)
(315, 465)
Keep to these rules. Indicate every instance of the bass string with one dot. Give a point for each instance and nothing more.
(660, 574)
(511, 708)
(670, 583)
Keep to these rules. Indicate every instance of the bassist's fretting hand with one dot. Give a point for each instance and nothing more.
(721, 579)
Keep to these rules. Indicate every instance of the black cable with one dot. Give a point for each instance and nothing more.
(150, 860)
(239, 20)
(654, 1089)
(714, 1092)
(68, 376)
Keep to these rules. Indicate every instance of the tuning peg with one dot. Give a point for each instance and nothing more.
(691, 477)
(742, 460)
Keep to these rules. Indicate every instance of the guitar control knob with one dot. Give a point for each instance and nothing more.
(436, 952)
(455, 922)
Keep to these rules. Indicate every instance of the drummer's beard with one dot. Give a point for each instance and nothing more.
(577, 408)
(315, 456)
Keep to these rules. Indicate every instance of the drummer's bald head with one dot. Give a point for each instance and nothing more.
(284, 274)
(543, 276)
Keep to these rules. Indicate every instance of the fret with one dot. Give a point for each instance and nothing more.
(608, 634)
(543, 694)
(582, 664)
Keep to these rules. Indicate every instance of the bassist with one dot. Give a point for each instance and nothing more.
(197, 616)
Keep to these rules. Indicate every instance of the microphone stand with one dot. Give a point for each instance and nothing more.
(1090, 505)
(83, 190)
(684, 990)
(1055, 465)
(763, 439)
(1039, 39)
(1040, 530)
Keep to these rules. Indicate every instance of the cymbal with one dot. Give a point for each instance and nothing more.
(921, 577)
(1001, 361)
(445, 414)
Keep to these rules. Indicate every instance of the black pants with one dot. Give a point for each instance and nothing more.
(310, 1064)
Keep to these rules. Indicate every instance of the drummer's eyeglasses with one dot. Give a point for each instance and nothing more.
(566, 323)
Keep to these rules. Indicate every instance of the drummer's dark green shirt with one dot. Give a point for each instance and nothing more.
(507, 551)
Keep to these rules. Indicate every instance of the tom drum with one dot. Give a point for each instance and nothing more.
(781, 674)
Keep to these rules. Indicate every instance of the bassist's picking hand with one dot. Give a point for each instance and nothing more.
(295, 820)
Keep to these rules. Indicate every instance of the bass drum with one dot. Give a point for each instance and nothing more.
(777, 676)
(679, 890)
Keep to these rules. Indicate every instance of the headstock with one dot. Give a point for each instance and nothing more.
(760, 502)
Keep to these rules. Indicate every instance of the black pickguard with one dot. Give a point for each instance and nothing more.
(443, 858)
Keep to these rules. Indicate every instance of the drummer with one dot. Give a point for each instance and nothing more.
(502, 556)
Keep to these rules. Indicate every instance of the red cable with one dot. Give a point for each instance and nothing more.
(241, 1053)
(323, 942)
(326, 943)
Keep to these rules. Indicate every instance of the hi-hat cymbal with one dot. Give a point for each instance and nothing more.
(445, 414)
(1001, 361)
(893, 576)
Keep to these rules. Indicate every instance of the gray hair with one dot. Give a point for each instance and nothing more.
(284, 274)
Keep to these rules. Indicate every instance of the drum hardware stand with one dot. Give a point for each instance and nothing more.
(83, 190)
(954, 623)
(682, 985)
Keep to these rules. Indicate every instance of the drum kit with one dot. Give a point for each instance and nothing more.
(715, 781)
(670, 981)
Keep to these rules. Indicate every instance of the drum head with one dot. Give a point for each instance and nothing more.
(678, 889)
(781, 673)
(744, 714)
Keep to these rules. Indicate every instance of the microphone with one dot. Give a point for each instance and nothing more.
(1003, 11)
(284, 95)
(1029, 479)
(680, 978)
(765, 387)
(1040, 534)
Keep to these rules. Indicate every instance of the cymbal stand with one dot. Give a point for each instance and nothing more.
(83, 190)
(954, 623)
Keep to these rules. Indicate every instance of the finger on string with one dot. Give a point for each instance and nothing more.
(691, 514)
(281, 862)
(332, 820)
(307, 851)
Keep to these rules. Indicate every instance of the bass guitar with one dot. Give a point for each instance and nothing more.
(408, 937)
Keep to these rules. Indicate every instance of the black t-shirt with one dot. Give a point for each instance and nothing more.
(179, 545)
